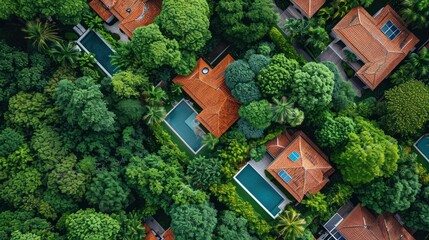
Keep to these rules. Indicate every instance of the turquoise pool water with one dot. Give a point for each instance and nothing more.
(260, 189)
(423, 146)
(182, 120)
(94, 44)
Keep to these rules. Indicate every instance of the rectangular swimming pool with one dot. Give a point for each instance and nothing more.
(182, 120)
(258, 188)
(422, 146)
(90, 41)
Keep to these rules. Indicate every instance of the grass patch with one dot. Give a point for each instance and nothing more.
(246, 197)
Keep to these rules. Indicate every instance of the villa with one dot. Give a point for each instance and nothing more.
(308, 7)
(131, 13)
(380, 43)
(299, 165)
(360, 223)
(206, 86)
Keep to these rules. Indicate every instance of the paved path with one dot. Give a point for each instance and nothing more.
(115, 29)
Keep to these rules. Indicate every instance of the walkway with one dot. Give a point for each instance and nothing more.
(115, 29)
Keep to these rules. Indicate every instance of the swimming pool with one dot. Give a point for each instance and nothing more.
(260, 190)
(92, 42)
(422, 146)
(182, 120)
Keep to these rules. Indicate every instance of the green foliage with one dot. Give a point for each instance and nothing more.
(275, 78)
(257, 153)
(127, 84)
(107, 192)
(334, 132)
(15, 162)
(232, 226)
(245, 21)
(257, 62)
(41, 34)
(284, 45)
(238, 72)
(20, 186)
(396, 193)
(232, 156)
(226, 194)
(291, 226)
(89, 224)
(82, 104)
(248, 130)
(417, 216)
(308, 33)
(17, 235)
(129, 111)
(65, 53)
(191, 222)
(316, 204)
(246, 92)
(338, 195)
(210, 141)
(10, 141)
(338, 8)
(312, 86)
(257, 113)
(415, 13)
(368, 154)
(284, 112)
(204, 172)
(154, 115)
(131, 225)
(407, 108)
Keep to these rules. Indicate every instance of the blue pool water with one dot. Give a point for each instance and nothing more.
(423, 146)
(94, 44)
(260, 189)
(182, 120)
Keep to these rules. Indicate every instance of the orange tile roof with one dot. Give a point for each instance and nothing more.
(309, 173)
(362, 33)
(278, 144)
(149, 233)
(309, 7)
(140, 12)
(220, 108)
(362, 224)
(168, 235)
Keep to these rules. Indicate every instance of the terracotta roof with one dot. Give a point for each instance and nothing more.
(309, 173)
(209, 91)
(149, 234)
(362, 33)
(362, 224)
(278, 144)
(131, 13)
(168, 235)
(309, 7)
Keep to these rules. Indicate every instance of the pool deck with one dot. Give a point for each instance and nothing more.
(115, 29)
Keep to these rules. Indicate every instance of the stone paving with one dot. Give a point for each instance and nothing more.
(115, 29)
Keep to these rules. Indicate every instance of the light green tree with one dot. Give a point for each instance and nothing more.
(257, 113)
(291, 226)
(127, 84)
(89, 224)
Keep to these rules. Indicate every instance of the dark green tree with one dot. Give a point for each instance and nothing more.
(415, 13)
(334, 131)
(248, 130)
(238, 72)
(204, 172)
(21, 186)
(417, 216)
(129, 111)
(246, 92)
(257, 113)
(231, 226)
(10, 141)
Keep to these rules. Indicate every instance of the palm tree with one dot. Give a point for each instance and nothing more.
(210, 141)
(65, 53)
(41, 34)
(155, 95)
(291, 226)
(295, 118)
(419, 62)
(416, 13)
(154, 115)
(176, 89)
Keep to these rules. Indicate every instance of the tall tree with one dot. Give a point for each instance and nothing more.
(10, 141)
(257, 113)
(417, 216)
(275, 79)
(204, 172)
(416, 13)
(334, 132)
(41, 34)
(66, 53)
(284, 112)
(193, 222)
(232, 226)
(127, 84)
(245, 21)
(291, 226)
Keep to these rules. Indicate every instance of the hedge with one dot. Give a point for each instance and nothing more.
(284, 45)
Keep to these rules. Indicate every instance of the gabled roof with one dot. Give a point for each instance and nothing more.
(309, 173)
(362, 33)
(131, 13)
(209, 91)
(278, 144)
(362, 224)
(309, 7)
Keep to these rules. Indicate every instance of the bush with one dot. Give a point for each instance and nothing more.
(284, 45)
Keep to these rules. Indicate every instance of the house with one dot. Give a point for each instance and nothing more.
(207, 87)
(308, 7)
(131, 13)
(380, 42)
(299, 165)
(360, 224)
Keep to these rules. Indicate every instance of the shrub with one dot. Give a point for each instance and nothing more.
(284, 45)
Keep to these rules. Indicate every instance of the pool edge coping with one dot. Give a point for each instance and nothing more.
(254, 198)
(415, 146)
(86, 50)
(168, 113)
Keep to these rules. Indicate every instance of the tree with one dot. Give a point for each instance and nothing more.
(89, 224)
(193, 221)
(65, 53)
(244, 21)
(24, 222)
(204, 172)
(21, 186)
(415, 13)
(312, 86)
(308, 33)
(396, 193)
(257, 113)
(10, 141)
(284, 112)
(17, 235)
(232, 226)
(417, 216)
(127, 84)
(41, 34)
(334, 132)
(82, 104)
(246, 92)
(148, 50)
(34, 76)
(107, 192)
(291, 226)
(248, 130)
(154, 115)
(210, 141)
(317, 204)
(129, 111)
(257, 62)
(415, 67)
(155, 96)
(407, 108)
(368, 154)
(238, 72)
(131, 225)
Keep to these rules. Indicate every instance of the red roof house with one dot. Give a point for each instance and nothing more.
(299, 165)
(131, 13)
(308, 7)
(381, 42)
(206, 86)
(362, 224)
